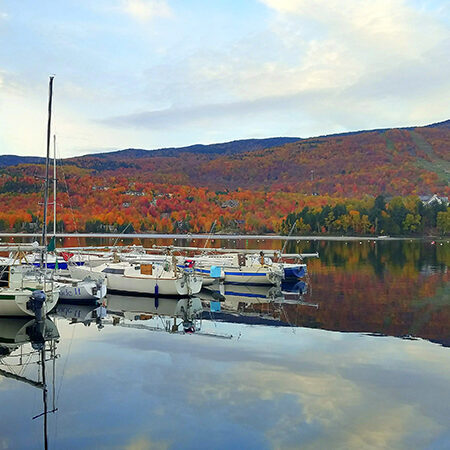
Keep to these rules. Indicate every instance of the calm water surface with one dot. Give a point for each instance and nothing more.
(367, 367)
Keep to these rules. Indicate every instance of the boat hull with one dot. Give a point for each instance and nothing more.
(125, 278)
(83, 291)
(14, 302)
(151, 286)
(243, 275)
(294, 271)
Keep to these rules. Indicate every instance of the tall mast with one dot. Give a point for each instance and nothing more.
(49, 123)
(54, 185)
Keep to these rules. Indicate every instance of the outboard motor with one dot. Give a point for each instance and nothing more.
(35, 333)
(36, 304)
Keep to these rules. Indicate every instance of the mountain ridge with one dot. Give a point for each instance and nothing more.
(394, 161)
(230, 147)
(222, 148)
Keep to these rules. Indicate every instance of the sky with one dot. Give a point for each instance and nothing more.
(163, 73)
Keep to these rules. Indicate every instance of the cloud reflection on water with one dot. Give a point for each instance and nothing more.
(272, 388)
(277, 389)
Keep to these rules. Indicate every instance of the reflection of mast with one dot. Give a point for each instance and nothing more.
(41, 346)
(44, 395)
(36, 333)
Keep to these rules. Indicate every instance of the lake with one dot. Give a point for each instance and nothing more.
(360, 361)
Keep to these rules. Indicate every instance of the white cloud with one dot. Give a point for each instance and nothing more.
(145, 10)
(390, 25)
(359, 63)
(311, 67)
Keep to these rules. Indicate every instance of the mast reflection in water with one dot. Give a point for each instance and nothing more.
(25, 344)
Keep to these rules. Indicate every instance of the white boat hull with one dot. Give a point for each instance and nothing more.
(152, 286)
(83, 291)
(131, 281)
(14, 302)
(244, 275)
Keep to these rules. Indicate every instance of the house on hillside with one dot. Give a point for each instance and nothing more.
(135, 193)
(430, 199)
(230, 204)
(100, 188)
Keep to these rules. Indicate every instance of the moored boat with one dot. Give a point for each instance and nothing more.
(147, 279)
(26, 293)
(241, 268)
(88, 289)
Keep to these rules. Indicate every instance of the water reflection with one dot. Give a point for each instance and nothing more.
(81, 313)
(27, 345)
(302, 368)
(397, 288)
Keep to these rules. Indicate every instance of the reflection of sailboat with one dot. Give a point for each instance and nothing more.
(134, 306)
(188, 309)
(81, 313)
(15, 335)
(243, 299)
(259, 301)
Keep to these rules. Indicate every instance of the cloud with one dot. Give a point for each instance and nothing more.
(391, 26)
(175, 116)
(145, 10)
(309, 68)
(325, 66)
(144, 443)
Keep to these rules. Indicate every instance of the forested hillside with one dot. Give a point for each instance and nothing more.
(364, 183)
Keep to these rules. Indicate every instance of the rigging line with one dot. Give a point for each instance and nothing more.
(26, 363)
(289, 321)
(289, 235)
(122, 232)
(53, 382)
(69, 200)
(309, 285)
(3, 271)
(212, 318)
(210, 233)
(65, 364)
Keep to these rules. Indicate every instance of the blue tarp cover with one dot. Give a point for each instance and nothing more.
(215, 272)
(215, 306)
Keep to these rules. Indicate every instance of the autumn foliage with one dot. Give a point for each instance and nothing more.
(363, 183)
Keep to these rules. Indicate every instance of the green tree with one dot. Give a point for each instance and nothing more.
(411, 223)
(443, 221)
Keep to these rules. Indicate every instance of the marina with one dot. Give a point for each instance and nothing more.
(234, 230)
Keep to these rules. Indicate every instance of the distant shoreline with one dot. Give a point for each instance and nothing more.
(230, 237)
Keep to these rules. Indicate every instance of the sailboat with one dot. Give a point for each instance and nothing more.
(87, 289)
(145, 279)
(25, 290)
